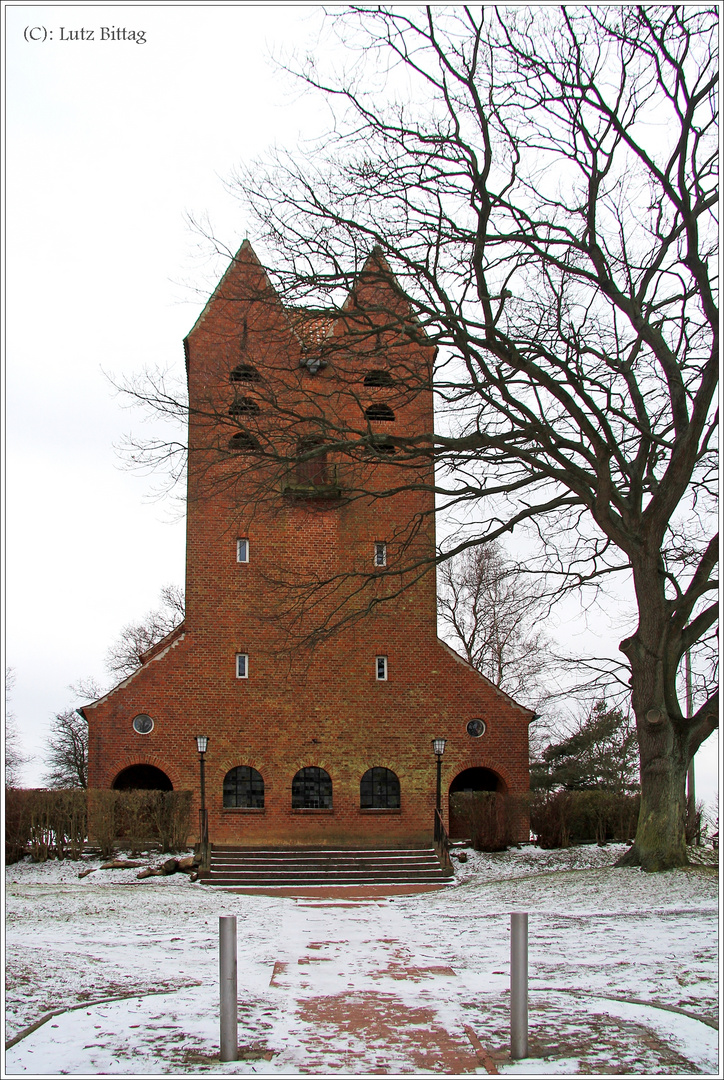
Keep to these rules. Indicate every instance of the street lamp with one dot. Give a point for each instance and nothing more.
(438, 746)
(202, 742)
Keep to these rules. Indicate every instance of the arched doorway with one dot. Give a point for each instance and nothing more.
(464, 786)
(142, 778)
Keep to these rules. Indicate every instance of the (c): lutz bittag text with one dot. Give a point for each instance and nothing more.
(101, 33)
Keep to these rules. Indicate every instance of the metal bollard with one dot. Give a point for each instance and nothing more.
(518, 985)
(228, 1044)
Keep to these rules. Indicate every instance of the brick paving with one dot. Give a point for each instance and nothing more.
(387, 1018)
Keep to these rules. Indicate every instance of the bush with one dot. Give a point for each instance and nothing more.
(139, 819)
(59, 823)
(44, 824)
(561, 818)
(17, 824)
(493, 820)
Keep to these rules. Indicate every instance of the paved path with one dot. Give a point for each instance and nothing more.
(377, 1010)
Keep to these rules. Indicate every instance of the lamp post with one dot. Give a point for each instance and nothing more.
(440, 837)
(438, 745)
(202, 742)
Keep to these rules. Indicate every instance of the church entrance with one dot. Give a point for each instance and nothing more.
(465, 797)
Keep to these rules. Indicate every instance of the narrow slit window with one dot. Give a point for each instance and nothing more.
(382, 669)
(242, 550)
(380, 553)
(242, 665)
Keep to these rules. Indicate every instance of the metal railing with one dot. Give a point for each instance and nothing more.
(441, 841)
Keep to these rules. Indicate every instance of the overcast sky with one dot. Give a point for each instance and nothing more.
(112, 145)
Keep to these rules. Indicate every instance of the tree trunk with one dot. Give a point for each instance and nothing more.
(660, 842)
(665, 746)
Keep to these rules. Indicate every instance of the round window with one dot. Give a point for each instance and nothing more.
(142, 724)
(476, 728)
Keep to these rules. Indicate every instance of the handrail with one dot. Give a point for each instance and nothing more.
(442, 841)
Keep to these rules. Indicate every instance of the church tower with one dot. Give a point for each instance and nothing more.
(309, 654)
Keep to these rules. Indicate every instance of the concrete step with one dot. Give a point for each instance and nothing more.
(296, 852)
(318, 867)
(254, 881)
(329, 865)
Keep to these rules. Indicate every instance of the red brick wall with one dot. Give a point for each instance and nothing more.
(301, 707)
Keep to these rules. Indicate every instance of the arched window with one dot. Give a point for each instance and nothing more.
(244, 787)
(379, 412)
(242, 441)
(244, 373)
(312, 789)
(244, 406)
(379, 789)
(378, 378)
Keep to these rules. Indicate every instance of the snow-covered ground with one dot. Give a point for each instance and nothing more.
(623, 972)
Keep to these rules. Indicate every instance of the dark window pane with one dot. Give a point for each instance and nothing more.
(379, 789)
(312, 789)
(244, 787)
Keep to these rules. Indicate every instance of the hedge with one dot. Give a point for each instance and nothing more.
(557, 819)
(61, 824)
(561, 818)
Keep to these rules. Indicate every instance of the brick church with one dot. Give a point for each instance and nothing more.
(309, 653)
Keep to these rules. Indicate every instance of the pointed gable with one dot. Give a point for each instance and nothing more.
(377, 289)
(242, 318)
(244, 280)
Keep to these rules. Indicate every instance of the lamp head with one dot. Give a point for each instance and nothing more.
(202, 741)
(438, 746)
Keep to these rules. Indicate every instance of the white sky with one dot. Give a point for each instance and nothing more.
(110, 147)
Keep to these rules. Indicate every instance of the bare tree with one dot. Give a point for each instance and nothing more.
(15, 759)
(67, 751)
(493, 612)
(543, 183)
(126, 655)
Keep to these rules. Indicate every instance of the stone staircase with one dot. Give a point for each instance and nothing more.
(269, 868)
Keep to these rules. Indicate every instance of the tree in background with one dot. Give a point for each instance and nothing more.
(15, 759)
(543, 184)
(126, 655)
(492, 611)
(66, 755)
(601, 754)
